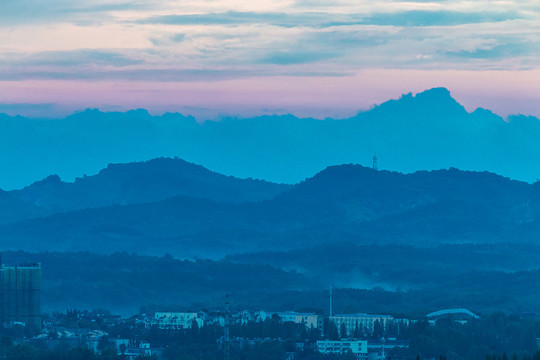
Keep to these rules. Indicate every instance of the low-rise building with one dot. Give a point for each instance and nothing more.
(378, 348)
(343, 346)
(364, 322)
(308, 319)
(131, 350)
(173, 320)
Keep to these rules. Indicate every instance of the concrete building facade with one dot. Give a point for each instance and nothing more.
(343, 346)
(362, 321)
(308, 319)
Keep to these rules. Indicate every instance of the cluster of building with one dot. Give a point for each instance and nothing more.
(373, 348)
(95, 340)
(186, 320)
(173, 320)
(362, 349)
(351, 323)
(20, 297)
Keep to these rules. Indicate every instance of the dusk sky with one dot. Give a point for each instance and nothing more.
(307, 57)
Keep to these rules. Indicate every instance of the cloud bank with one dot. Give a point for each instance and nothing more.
(196, 41)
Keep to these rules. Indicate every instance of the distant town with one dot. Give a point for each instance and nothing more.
(221, 333)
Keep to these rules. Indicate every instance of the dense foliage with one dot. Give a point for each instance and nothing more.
(369, 279)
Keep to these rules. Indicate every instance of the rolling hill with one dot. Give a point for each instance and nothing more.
(342, 203)
(142, 182)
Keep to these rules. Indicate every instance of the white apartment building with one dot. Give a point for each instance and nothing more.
(357, 347)
(308, 319)
(362, 321)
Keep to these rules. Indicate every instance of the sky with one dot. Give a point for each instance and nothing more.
(211, 58)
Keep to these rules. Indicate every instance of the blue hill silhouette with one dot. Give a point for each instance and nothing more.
(429, 130)
(133, 183)
(187, 210)
(349, 225)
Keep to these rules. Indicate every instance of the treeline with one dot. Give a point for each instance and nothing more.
(494, 337)
(496, 334)
(123, 282)
(487, 338)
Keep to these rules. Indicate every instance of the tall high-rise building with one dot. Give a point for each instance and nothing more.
(20, 294)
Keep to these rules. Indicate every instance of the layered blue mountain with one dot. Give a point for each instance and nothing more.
(340, 223)
(348, 225)
(134, 183)
(342, 203)
(429, 130)
(13, 209)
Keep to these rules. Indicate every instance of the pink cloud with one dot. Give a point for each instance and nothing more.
(504, 92)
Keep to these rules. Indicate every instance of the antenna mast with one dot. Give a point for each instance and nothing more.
(330, 300)
(226, 334)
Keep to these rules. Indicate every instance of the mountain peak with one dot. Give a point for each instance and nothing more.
(440, 92)
(439, 99)
(88, 113)
(429, 104)
(51, 180)
(138, 112)
(141, 182)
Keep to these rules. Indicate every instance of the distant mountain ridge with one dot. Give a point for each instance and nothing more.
(342, 203)
(13, 209)
(429, 130)
(150, 181)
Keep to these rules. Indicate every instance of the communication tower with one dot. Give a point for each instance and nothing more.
(330, 300)
(226, 332)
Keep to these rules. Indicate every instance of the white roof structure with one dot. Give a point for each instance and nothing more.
(459, 311)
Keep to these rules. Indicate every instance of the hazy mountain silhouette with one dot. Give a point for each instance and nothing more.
(149, 181)
(342, 203)
(347, 224)
(13, 209)
(429, 130)
(382, 192)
